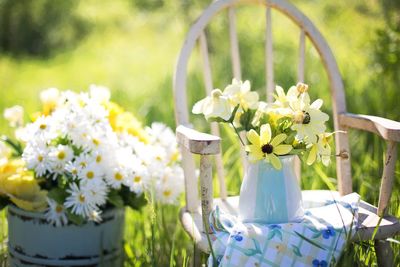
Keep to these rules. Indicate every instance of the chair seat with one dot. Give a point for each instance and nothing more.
(368, 220)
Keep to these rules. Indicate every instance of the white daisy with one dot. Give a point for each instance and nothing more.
(82, 161)
(59, 156)
(115, 176)
(91, 172)
(55, 214)
(43, 128)
(138, 179)
(36, 157)
(95, 215)
(100, 94)
(72, 168)
(170, 186)
(78, 201)
(95, 191)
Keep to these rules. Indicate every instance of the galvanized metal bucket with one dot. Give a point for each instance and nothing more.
(34, 242)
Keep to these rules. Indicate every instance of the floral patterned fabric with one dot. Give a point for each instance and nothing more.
(316, 241)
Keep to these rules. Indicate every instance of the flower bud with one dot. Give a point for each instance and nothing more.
(302, 87)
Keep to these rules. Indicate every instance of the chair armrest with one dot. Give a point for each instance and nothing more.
(197, 142)
(387, 129)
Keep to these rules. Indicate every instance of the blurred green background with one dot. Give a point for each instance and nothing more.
(131, 46)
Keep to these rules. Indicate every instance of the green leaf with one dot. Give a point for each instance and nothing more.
(296, 251)
(115, 199)
(296, 151)
(4, 201)
(13, 144)
(246, 119)
(233, 114)
(76, 219)
(58, 195)
(77, 150)
(131, 199)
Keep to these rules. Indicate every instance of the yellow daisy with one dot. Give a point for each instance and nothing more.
(262, 147)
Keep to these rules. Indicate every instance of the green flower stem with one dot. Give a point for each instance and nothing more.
(237, 132)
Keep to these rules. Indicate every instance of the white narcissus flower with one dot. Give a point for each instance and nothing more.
(215, 106)
(308, 120)
(282, 100)
(55, 213)
(14, 115)
(239, 94)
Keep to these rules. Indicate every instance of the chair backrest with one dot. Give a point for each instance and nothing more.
(307, 30)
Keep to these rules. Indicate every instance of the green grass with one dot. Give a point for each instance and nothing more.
(134, 51)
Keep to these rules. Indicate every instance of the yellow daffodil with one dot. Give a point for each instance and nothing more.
(321, 150)
(239, 94)
(263, 146)
(215, 106)
(20, 186)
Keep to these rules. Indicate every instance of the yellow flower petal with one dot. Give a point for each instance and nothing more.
(253, 137)
(282, 149)
(312, 156)
(278, 139)
(265, 134)
(276, 163)
(254, 152)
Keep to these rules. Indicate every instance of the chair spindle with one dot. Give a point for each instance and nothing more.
(214, 126)
(269, 57)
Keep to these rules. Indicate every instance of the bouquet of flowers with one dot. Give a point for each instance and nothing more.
(83, 154)
(290, 125)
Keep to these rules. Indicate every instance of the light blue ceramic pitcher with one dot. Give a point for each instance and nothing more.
(270, 196)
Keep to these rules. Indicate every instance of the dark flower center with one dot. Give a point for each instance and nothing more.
(267, 149)
(307, 118)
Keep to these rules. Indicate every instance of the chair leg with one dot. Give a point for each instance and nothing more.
(384, 253)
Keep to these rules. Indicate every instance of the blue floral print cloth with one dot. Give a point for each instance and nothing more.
(316, 241)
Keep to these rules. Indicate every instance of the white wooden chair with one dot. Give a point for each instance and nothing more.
(193, 142)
